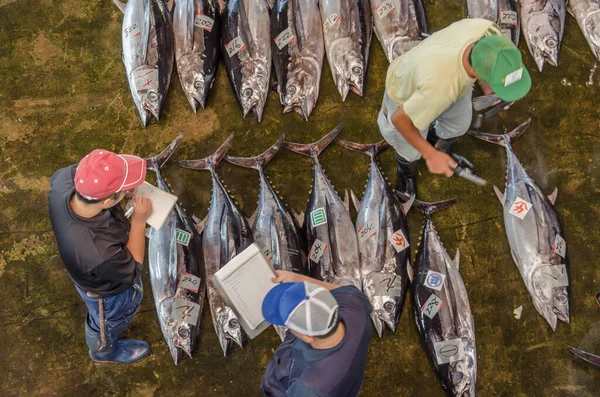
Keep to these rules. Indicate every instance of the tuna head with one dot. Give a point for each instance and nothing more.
(302, 90)
(192, 80)
(349, 71)
(228, 328)
(460, 380)
(543, 32)
(550, 296)
(386, 309)
(146, 94)
(592, 31)
(254, 88)
(177, 332)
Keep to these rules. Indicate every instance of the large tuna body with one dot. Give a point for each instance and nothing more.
(486, 9)
(147, 38)
(177, 274)
(537, 243)
(297, 45)
(587, 14)
(543, 25)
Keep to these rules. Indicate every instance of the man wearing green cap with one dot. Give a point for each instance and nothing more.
(427, 99)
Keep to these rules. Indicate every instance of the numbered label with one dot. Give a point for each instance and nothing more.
(368, 230)
(560, 246)
(385, 8)
(268, 254)
(234, 46)
(317, 250)
(331, 20)
(185, 311)
(434, 280)
(182, 237)
(386, 284)
(318, 217)
(132, 30)
(449, 351)
(146, 78)
(189, 282)
(520, 208)
(432, 306)
(508, 17)
(399, 240)
(204, 22)
(284, 38)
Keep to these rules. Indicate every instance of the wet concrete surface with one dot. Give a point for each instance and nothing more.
(63, 93)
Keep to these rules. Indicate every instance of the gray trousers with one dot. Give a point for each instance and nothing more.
(452, 123)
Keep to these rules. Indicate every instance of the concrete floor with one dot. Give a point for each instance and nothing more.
(63, 93)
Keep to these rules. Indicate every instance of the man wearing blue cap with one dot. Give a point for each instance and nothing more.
(325, 351)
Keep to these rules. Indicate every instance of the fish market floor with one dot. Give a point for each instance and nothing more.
(64, 93)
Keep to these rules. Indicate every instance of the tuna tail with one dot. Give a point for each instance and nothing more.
(369, 149)
(259, 161)
(315, 148)
(155, 163)
(430, 208)
(210, 161)
(502, 139)
(585, 356)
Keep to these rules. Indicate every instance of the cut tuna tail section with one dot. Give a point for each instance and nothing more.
(430, 208)
(484, 101)
(585, 356)
(210, 161)
(156, 162)
(502, 139)
(369, 149)
(259, 161)
(315, 148)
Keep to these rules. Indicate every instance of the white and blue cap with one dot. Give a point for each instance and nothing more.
(303, 307)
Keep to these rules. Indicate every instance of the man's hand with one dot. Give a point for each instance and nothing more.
(440, 163)
(143, 209)
(283, 276)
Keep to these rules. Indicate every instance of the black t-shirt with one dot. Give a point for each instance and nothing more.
(93, 249)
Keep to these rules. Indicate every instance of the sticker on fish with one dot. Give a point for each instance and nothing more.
(449, 351)
(555, 275)
(318, 217)
(146, 78)
(268, 254)
(189, 282)
(182, 237)
(434, 280)
(132, 30)
(385, 8)
(432, 306)
(185, 310)
(368, 230)
(508, 17)
(386, 284)
(520, 208)
(204, 22)
(331, 20)
(317, 250)
(234, 46)
(560, 246)
(284, 38)
(399, 240)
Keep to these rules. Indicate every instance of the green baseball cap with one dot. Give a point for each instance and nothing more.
(498, 62)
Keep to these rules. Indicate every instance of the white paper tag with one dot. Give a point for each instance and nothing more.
(132, 30)
(555, 276)
(507, 33)
(385, 8)
(331, 20)
(204, 22)
(186, 311)
(560, 246)
(146, 78)
(513, 77)
(284, 38)
(386, 284)
(368, 230)
(317, 250)
(189, 282)
(318, 217)
(449, 351)
(268, 254)
(520, 208)
(508, 17)
(234, 46)
(434, 280)
(432, 306)
(399, 240)
(182, 237)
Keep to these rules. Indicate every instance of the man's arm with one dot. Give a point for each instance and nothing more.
(283, 276)
(137, 239)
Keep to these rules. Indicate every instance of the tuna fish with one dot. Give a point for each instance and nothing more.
(536, 240)
(587, 14)
(333, 247)
(147, 54)
(347, 30)
(297, 54)
(382, 233)
(274, 228)
(543, 25)
(399, 25)
(246, 47)
(508, 20)
(442, 309)
(196, 29)
(176, 268)
(226, 234)
(486, 9)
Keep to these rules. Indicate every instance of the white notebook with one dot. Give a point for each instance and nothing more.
(243, 283)
(162, 203)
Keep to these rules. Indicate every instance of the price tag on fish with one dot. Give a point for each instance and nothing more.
(145, 78)
(268, 254)
(449, 351)
(399, 240)
(284, 38)
(432, 306)
(508, 17)
(385, 8)
(234, 46)
(331, 20)
(189, 282)
(368, 230)
(560, 246)
(317, 250)
(182, 237)
(555, 276)
(204, 22)
(186, 311)
(520, 208)
(132, 30)
(434, 280)
(386, 284)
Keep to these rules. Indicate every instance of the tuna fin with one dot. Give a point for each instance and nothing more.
(156, 162)
(170, 5)
(457, 259)
(314, 148)
(355, 200)
(552, 196)
(347, 200)
(409, 271)
(377, 323)
(299, 217)
(585, 356)
(499, 194)
(407, 204)
(199, 224)
(210, 161)
(501, 139)
(430, 208)
(484, 101)
(252, 219)
(369, 150)
(259, 161)
(121, 6)
(222, 4)
(271, 3)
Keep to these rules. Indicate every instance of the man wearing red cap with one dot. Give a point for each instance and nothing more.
(101, 250)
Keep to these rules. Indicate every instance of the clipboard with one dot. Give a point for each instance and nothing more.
(162, 203)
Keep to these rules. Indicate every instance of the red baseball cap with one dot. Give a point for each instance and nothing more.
(102, 173)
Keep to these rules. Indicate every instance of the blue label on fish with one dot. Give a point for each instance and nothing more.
(318, 217)
(434, 280)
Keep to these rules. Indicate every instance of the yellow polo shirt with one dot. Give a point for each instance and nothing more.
(428, 79)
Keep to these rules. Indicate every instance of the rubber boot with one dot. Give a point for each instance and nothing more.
(406, 176)
(445, 145)
(124, 351)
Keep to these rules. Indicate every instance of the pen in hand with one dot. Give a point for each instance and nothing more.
(130, 211)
